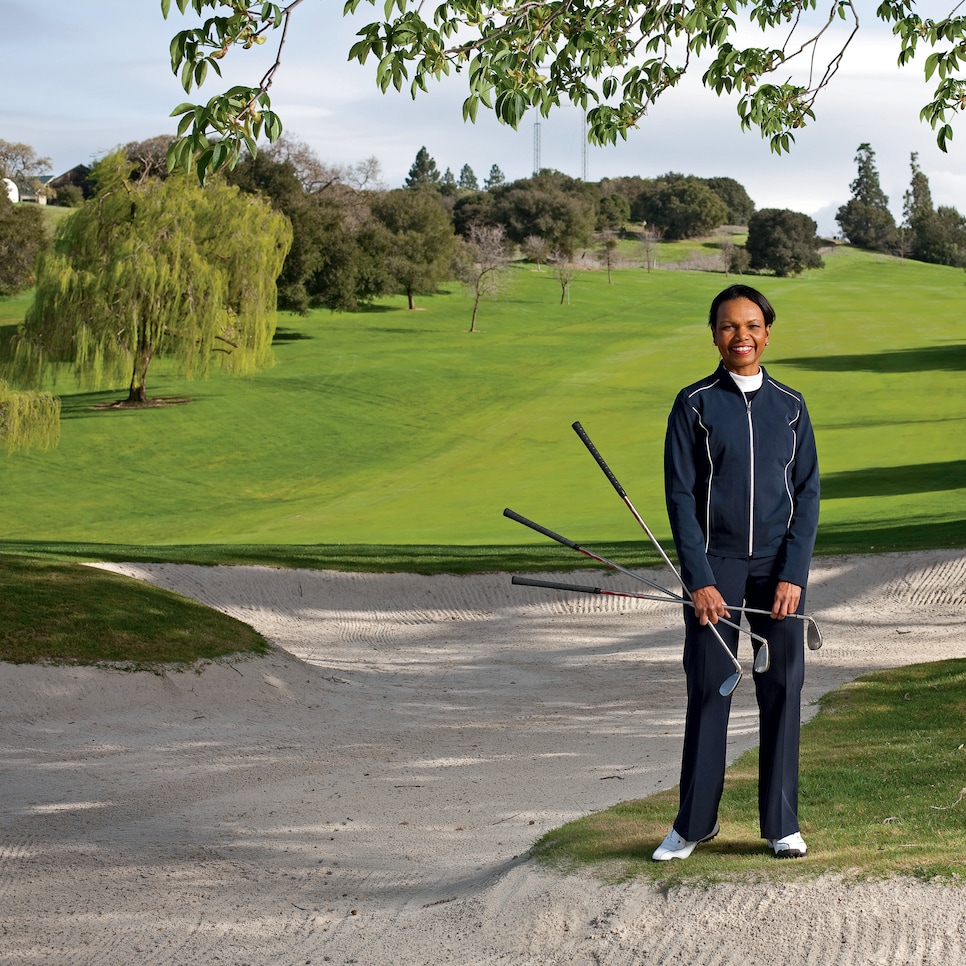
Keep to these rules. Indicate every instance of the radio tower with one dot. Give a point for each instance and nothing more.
(536, 147)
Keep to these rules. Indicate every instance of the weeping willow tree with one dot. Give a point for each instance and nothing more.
(161, 268)
(28, 419)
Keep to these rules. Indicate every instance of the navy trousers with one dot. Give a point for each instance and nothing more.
(750, 582)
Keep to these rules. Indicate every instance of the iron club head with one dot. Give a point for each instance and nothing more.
(813, 635)
(763, 658)
(729, 684)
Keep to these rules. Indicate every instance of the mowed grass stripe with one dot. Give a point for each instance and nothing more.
(393, 427)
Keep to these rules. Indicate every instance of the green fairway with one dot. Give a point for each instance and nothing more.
(391, 427)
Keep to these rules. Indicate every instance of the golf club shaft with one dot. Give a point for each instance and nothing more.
(763, 658)
(622, 493)
(586, 589)
(513, 515)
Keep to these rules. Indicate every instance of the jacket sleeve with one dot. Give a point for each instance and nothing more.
(804, 481)
(680, 483)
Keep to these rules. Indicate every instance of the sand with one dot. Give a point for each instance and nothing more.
(369, 791)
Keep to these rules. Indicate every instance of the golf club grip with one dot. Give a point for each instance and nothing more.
(553, 585)
(513, 515)
(582, 433)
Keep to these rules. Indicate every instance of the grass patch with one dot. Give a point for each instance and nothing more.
(64, 613)
(394, 429)
(883, 767)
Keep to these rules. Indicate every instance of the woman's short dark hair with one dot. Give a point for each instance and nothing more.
(733, 292)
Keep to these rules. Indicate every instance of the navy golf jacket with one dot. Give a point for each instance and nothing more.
(741, 477)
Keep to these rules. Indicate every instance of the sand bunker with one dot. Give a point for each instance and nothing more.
(368, 793)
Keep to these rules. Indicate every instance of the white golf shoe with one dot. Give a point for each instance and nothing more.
(790, 847)
(675, 847)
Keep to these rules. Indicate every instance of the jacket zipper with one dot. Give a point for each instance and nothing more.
(751, 479)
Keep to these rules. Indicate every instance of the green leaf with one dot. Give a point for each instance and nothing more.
(187, 73)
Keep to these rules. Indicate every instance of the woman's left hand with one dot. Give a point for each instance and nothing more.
(786, 600)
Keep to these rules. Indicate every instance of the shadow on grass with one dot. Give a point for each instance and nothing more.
(84, 405)
(290, 335)
(894, 480)
(950, 357)
(941, 535)
(360, 558)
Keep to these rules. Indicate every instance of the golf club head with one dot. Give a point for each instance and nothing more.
(763, 659)
(729, 684)
(813, 636)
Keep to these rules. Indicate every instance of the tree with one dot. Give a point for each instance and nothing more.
(564, 271)
(23, 238)
(735, 258)
(682, 207)
(423, 173)
(736, 199)
(483, 268)
(494, 179)
(650, 235)
(160, 268)
(28, 420)
(865, 219)
(447, 184)
(150, 157)
(560, 209)
(782, 241)
(415, 243)
(22, 165)
(535, 249)
(467, 179)
(473, 208)
(324, 266)
(936, 236)
(608, 254)
(613, 211)
(612, 58)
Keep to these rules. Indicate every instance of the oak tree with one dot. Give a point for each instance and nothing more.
(782, 241)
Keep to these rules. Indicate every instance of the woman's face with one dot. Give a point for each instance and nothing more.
(741, 335)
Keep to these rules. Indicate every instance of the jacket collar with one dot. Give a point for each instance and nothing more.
(724, 376)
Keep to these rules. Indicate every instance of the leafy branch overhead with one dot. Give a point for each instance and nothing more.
(611, 58)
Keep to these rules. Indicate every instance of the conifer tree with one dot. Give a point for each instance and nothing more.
(494, 179)
(468, 179)
(424, 172)
(866, 220)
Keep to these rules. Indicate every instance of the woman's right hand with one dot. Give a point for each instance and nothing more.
(709, 605)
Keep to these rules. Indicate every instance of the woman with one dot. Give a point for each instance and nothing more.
(742, 490)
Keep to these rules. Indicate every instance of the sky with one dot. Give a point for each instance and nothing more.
(84, 76)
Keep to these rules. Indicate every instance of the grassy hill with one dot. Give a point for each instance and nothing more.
(400, 428)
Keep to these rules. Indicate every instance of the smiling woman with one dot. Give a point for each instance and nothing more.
(741, 478)
(741, 330)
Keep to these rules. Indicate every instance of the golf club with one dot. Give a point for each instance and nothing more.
(730, 683)
(582, 589)
(813, 634)
(763, 655)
